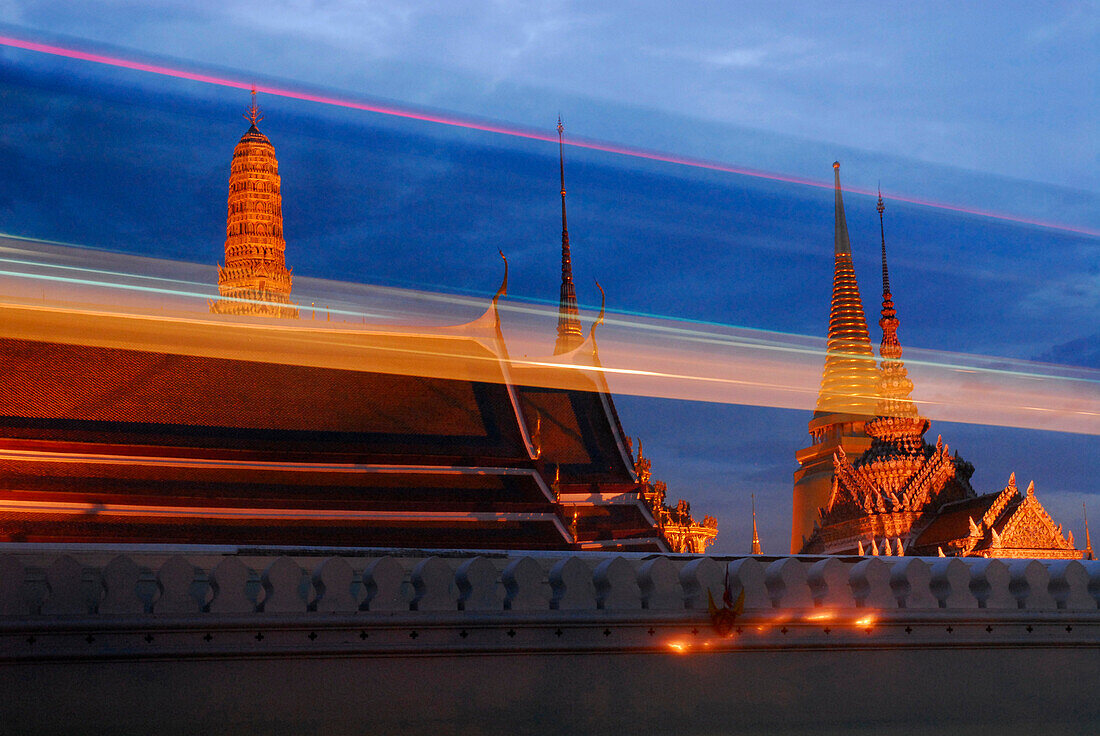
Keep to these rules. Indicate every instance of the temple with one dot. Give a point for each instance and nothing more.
(255, 279)
(127, 427)
(890, 492)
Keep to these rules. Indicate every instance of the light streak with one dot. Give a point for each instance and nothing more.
(57, 295)
(512, 130)
(865, 621)
(822, 616)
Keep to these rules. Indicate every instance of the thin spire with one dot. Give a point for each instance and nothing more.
(840, 235)
(898, 422)
(253, 115)
(890, 348)
(849, 382)
(881, 207)
(755, 536)
(1088, 539)
(569, 323)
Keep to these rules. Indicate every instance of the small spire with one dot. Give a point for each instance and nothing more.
(1088, 539)
(253, 115)
(569, 323)
(755, 536)
(881, 207)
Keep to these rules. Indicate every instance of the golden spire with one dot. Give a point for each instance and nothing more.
(849, 382)
(755, 536)
(569, 323)
(898, 423)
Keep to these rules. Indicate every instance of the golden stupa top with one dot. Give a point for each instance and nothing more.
(849, 381)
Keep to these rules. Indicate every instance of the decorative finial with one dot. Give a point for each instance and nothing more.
(600, 316)
(253, 114)
(561, 166)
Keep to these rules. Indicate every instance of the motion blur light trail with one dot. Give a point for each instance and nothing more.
(499, 128)
(51, 294)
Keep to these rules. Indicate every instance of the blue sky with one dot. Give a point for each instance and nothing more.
(986, 108)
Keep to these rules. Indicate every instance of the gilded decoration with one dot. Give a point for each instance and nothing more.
(679, 528)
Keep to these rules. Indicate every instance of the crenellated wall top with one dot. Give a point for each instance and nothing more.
(211, 581)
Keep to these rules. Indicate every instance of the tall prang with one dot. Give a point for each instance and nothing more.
(849, 388)
(570, 335)
(255, 280)
(903, 496)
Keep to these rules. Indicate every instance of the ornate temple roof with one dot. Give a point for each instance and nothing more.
(1004, 524)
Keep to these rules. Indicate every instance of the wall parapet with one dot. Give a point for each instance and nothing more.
(106, 582)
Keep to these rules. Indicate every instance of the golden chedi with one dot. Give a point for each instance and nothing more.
(255, 280)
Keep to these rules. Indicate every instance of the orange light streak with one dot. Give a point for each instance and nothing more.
(512, 130)
(57, 299)
(822, 616)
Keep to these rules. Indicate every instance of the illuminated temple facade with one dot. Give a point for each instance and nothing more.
(869, 483)
(130, 428)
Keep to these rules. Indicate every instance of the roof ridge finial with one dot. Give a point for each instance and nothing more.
(253, 115)
(755, 536)
(569, 323)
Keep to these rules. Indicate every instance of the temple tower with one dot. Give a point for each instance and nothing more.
(849, 388)
(255, 280)
(898, 429)
(570, 335)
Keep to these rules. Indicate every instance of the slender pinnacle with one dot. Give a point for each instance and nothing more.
(569, 324)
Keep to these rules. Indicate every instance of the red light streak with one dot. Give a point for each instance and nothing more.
(514, 131)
